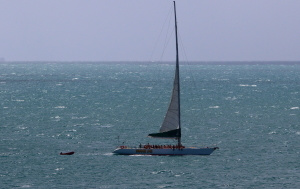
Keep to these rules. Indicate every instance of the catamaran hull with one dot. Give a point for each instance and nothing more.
(184, 151)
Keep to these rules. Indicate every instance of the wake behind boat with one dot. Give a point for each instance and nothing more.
(171, 126)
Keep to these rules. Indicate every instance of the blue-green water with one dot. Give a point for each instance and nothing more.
(252, 112)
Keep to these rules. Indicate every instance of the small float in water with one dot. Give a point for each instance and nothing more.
(67, 153)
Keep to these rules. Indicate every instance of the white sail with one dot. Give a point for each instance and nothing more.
(171, 121)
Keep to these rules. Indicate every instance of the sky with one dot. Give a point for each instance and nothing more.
(129, 30)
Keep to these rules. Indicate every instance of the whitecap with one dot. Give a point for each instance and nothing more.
(19, 100)
(150, 88)
(106, 126)
(215, 107)
(230, 98)
(56, 118)
(60, 107)
(26, 186)
(246, 85)
(116, 91)
(164, 186)
(294, 108)
(74, 117)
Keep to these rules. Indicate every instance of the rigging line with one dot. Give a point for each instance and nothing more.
(187, 61)
(163, 29)
(165, 46)
(166, 41)
(160, 34)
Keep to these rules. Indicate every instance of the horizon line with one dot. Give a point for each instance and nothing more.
(210, 62)
(148, 61)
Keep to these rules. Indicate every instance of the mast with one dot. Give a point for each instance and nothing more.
(177, 73)
(171, 126)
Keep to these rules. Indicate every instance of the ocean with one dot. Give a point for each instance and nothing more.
(250, 110)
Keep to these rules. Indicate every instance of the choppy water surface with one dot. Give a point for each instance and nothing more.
(252, 112)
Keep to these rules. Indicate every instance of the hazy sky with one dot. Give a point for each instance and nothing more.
(125, 30)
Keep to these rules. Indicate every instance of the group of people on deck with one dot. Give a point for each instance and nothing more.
(148, 146)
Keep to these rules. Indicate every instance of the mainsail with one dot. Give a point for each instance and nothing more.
(170, 127)
(171, 124)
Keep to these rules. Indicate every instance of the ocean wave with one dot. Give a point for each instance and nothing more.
(246, 85)
(60, 107)
(214, 107)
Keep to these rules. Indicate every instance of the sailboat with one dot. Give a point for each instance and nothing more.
(171, 126)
